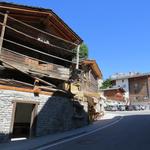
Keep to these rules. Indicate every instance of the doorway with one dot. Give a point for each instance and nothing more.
(24, 121)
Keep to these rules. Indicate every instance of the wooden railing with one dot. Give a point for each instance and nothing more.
(24, 28)
(54, 46)
(90, 86)
(32, 65)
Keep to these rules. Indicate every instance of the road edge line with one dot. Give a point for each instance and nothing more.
(79, 136)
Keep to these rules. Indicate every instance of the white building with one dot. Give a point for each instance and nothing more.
(128, 83)
(123, 83)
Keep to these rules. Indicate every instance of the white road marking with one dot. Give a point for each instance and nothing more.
(79, 136)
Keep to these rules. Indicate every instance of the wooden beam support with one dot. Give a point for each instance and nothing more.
(33, 38)
(41, 31)
(35, 50)
(23, 10)
(12, 121)
(4, 87)
(3, 31)
(77, 57)
(35, 78)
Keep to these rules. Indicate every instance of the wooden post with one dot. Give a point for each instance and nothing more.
(3, 32)
(33, 120)
(77, 57)
(12, 120)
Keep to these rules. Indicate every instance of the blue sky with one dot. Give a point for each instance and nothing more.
(117, 32)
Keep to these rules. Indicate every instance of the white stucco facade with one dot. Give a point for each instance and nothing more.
(123, 83)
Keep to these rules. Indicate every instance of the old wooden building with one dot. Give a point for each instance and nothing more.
(90, 76)
(86, 89)
(36, 42)
(36, 52)
(136, 86)
(116, 94)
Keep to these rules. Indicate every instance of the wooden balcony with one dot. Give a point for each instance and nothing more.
(34, 66)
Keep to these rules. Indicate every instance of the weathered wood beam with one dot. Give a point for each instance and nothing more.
(5, 87)
(35, 50)
(24, 11)
(58, 29)
(15, 82)
(27, 17)
(77, 57)
(57, 37)
(35, 78)
(31, 37)
(5, 49)
(3, 31)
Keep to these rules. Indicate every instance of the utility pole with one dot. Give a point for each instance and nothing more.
(77, 57)
(3, 31)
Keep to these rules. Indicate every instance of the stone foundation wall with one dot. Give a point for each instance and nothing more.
(54, 114)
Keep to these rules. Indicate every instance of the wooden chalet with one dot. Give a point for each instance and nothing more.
(116, 94)
(91, 75)
(36, 53)
(35, 44)
(85, 87)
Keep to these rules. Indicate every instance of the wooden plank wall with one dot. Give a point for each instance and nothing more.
(33, 65)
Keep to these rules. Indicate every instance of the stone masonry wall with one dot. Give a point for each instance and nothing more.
(55, 114)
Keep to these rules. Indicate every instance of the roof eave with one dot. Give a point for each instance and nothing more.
(46, 11)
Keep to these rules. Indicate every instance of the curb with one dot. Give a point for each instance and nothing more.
(80, 134)
(52, 140)
(58, 140)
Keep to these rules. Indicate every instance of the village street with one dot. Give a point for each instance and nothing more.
(131, 132)
(73, 79)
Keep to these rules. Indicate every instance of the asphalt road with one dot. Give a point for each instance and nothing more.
(132, 132)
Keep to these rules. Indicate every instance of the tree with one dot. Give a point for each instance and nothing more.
(83, 51)
(106, 84)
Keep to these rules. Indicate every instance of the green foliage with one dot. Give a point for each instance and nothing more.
(83, 51)
(106, 84)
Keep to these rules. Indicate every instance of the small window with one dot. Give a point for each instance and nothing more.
(136, 88)
(113, 83)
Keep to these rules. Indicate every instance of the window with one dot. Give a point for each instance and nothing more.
(136, 88)
(113, 83)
